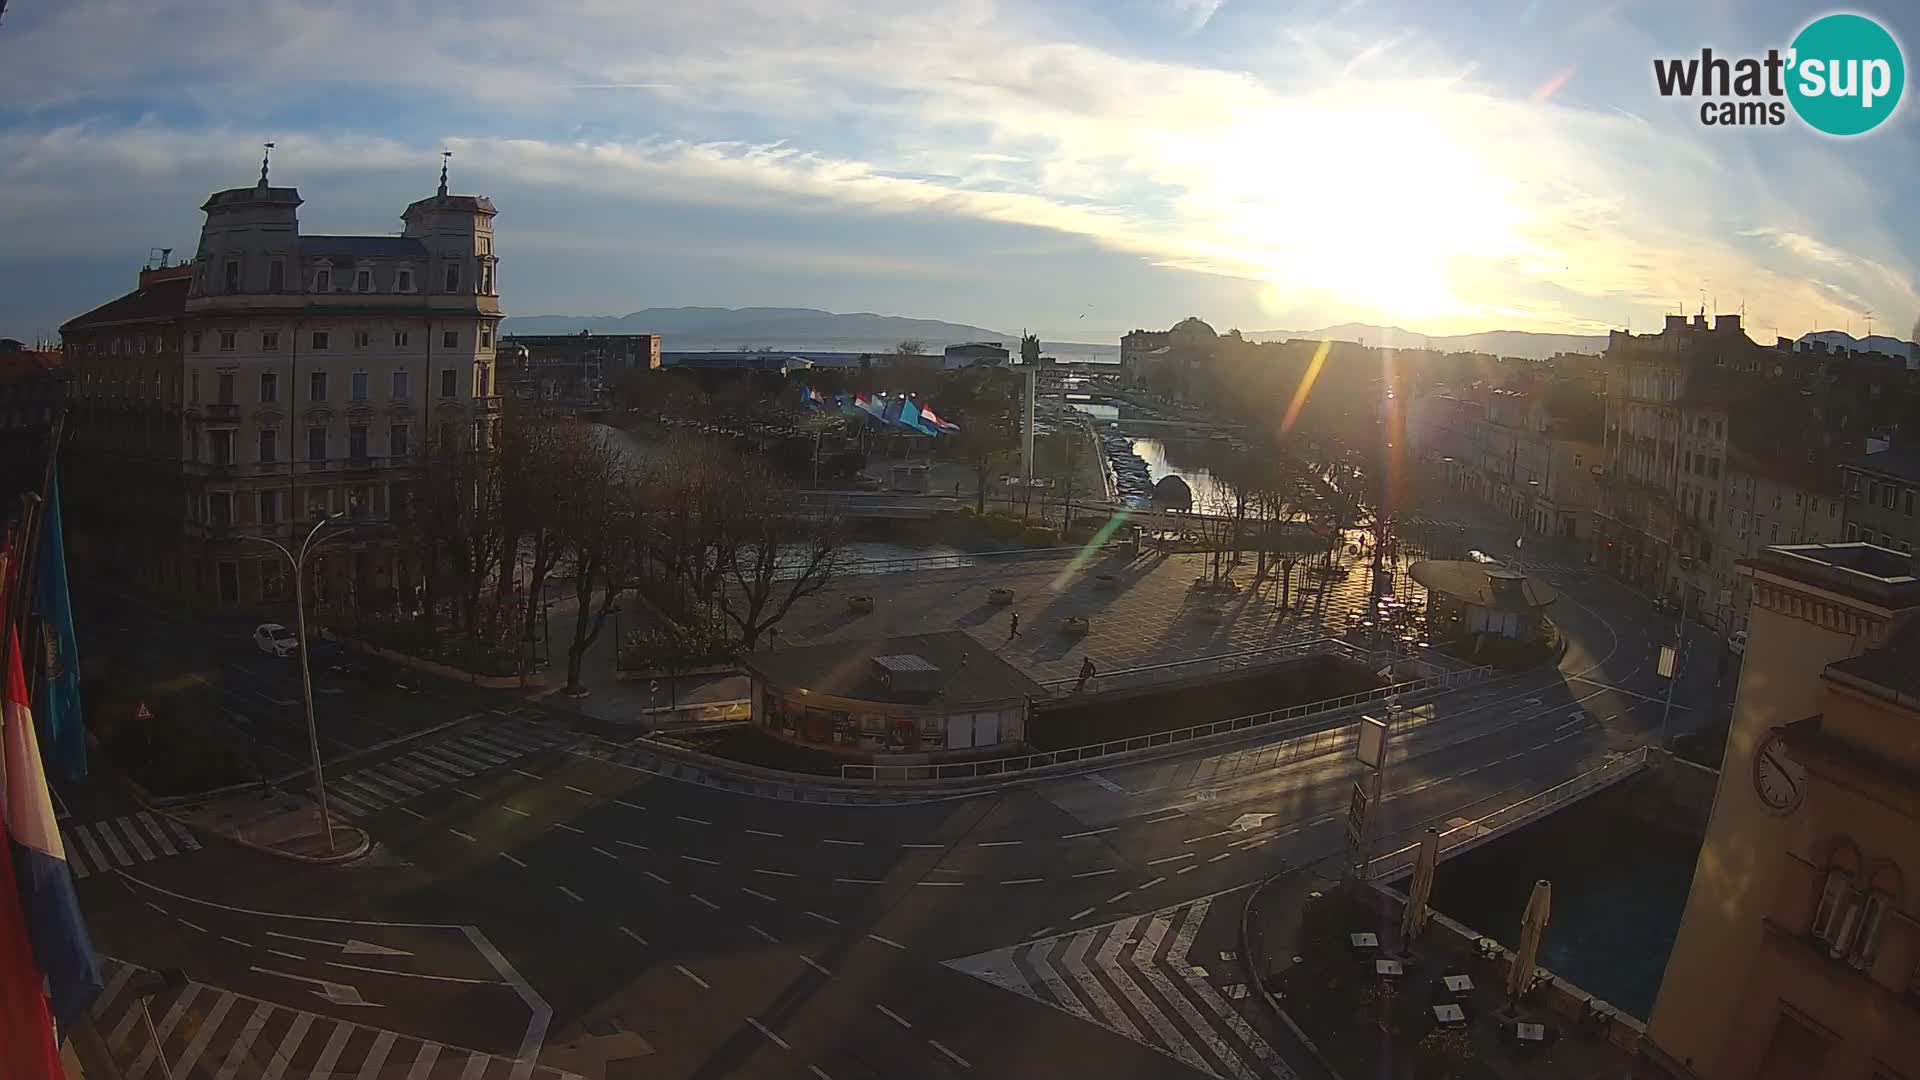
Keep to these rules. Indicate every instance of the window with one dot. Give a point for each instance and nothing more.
(1796, 499)
(317, 444)
(1888, 493)
(402, 385)
(450, 339)
(270, 511)
(233, 275)
(1866, 536)
(361, 338)
(1794, 1051)
(361, 500)
(399, 339)
(1713, 468)
(363, 281)
(1873, 491)
(220, 507)
(1907, 503)
(226, 341)
(397, 441)
(1776, 502)
(220, 447)
(406, 281)
(270, 341)
(1833, 508)
(319, 340)
(359, 386)
(1773, 533)
(268, 444)
(453, 277)
(276, 276)
(1853, 532)
(224, 390)
(1813, 504)
(193, 389)
(323, 281)
(448, 380)
(486, 342)
(317, 386)
(357, 442)
(1833, 917)
(486, 276)
(1713, 505)
(195, 339)
(269, 387)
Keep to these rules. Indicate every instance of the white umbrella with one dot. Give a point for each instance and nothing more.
(1532, 925)
(1413, 920)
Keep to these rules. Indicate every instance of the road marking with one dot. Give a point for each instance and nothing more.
(412, 811)
(888, 942)
(894, 1016)
(1117, 897)
(773, 873)
(629, 805)
(701, 861)
(580, 790)
(513, 860)
(817, 966)
(999, 843)
(693, 820)
(1083, 913)
(1098, 873)
(1222, 855)
(844, 843)
(158, 908)
(1186, 869)
(819, 1072)
(528, 775)
(468, 837)
(1571, 723)
(1090, 832)
(288, 955)
(1023, 881)
(1166, 817)
(1152, 883)
(1568, 735)
(763, 1029)
(1209, 836)
(956, 1058)
(763, 832)
(605, 852)
(757, 894)
(243, 1043)
(941, 884)
(764, 936)
(570, 893)
(697, 980)
(414, 974)
(631, 844)
(569, 828)
(236, 941)
(656, 877)
(829, 920)
(710, 905)
(193, 926)
(926, 847)
(1170, 858)
(858, 881)
(634, 936)
(514, 810)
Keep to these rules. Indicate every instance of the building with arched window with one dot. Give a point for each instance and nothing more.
(1799, 954)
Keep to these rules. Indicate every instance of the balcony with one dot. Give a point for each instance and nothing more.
(490, 403)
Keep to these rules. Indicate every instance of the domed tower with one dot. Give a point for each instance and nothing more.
(248, 243)
(458, 233)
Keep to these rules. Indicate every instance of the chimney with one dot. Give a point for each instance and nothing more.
(1700, 321)
(1783, 344)
(1726, 322)
(1676, 322)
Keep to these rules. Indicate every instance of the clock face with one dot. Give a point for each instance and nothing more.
(1778, 778)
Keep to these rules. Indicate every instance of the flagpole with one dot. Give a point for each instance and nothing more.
(26, 544)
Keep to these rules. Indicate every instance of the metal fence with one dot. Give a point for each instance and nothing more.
(1148, 674)
(1470, 834)
(1021, 763)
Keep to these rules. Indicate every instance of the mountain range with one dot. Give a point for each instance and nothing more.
(1498, 342)
(727, 328)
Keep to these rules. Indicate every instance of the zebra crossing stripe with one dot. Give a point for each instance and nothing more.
(289, 1044)
(168, 1022)
(140, 847)
(92, 850)
(113, 845)
(1177, 959)
(242, 1046)
(351, 805)
(423, 1062)
(190, 1057)
(330, 1054)
(377, 1056)
(446, 763)
(1123, 977)
(396, 778)
(1076, 961)
(154, 830)
(417, 767)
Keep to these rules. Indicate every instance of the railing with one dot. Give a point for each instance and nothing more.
(955, 561)
(1478, 831)
(1305, 645)
(1020, 763)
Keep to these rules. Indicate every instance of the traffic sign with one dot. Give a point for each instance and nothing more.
(1357, 815)
(143, 713)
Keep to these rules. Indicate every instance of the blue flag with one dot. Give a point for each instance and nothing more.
(66, 730)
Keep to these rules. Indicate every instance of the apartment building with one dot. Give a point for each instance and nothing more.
(1798, 957)
(1882, 487)
(1531, 452)
(281, 377)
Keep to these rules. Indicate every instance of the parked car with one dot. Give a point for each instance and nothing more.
(275, 640)
(1737, 644)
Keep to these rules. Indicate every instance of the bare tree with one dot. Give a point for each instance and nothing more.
(775, 555)
(590, 523)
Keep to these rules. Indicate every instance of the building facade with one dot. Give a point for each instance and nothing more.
(575, 369)
(1881, 491)
(293, 376)
(1796, 957)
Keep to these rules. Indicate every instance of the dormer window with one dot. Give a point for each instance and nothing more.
(405, 282)
(363, 281)
(277, 276)
(323, 280)
(453, 277)
(233, 275)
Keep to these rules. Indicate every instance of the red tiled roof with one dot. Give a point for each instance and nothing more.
(27, 363)
(157, 301)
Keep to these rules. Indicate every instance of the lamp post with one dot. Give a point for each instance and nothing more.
(1679, 643)
(298, 560)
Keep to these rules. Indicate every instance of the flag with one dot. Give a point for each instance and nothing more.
(932, 419)
(62, 951)
(60, 696)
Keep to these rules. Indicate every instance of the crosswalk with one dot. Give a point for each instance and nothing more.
(1133, 977)
(206, 1033)
(128, 840)
(370, 790)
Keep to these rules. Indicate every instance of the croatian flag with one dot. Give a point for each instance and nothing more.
(44, 904)
(931, 418)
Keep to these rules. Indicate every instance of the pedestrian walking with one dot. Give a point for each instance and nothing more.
(1087, 671)
(1013, 628)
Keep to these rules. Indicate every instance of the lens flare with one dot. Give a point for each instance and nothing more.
(1305, 388)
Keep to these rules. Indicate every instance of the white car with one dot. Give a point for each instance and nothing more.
(1737, 644)
(274, 639)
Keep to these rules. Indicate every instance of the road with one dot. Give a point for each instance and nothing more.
(535, 889)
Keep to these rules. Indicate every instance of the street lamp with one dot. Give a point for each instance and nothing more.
(298, 560)
(1679, 643)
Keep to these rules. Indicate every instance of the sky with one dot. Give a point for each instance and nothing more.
(1076, 167)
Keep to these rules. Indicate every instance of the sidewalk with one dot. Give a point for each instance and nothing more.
(649, 704)
(279, 823)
